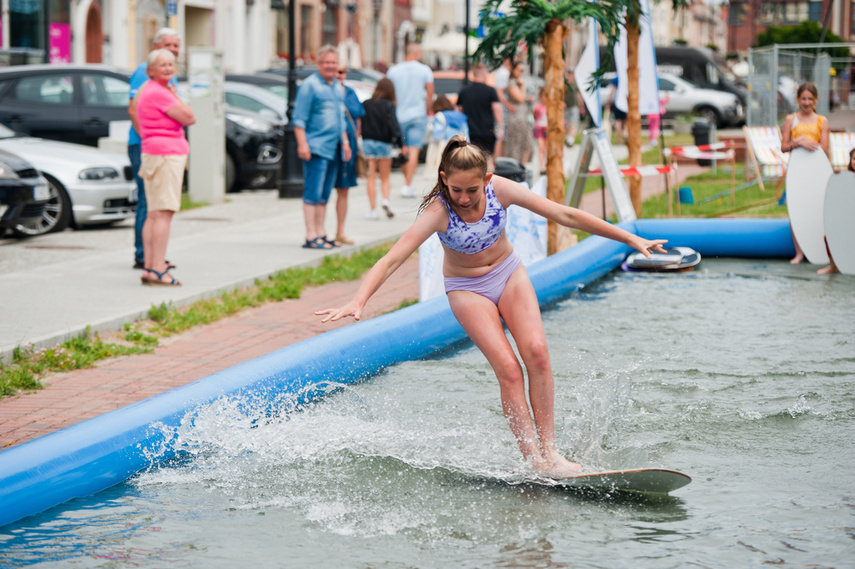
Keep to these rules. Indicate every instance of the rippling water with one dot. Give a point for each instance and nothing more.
(741, 374)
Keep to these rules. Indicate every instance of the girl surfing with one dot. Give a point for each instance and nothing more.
(487, 285)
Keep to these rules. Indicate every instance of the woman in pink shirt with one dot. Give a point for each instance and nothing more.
(162, 117)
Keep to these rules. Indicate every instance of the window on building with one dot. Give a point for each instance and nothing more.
(305, 29)
(784, 13)
(330, 25)
(27, 24)
(737, 14)
(815, 12)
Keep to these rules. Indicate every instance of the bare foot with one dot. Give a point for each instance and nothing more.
(797, 259)
(830, 269)
(557, 467)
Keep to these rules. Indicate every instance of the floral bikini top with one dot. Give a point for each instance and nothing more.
(471, 238)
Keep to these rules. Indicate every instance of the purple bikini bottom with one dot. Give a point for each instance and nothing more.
(490, 285)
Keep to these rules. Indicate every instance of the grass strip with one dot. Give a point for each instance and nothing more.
(28, 364)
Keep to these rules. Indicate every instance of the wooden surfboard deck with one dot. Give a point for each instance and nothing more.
(839, 227)
(807, 177)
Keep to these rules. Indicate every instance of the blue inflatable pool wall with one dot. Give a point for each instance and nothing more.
(106, 450)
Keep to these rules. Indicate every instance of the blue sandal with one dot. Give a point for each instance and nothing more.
(159, 280)
(317, 243)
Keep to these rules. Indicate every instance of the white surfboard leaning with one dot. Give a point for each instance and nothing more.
(652, 480)
(807, 176)
(839, 227)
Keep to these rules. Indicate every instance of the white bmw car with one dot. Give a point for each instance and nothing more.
(87, 186)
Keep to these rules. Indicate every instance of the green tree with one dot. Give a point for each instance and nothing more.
(806, 33)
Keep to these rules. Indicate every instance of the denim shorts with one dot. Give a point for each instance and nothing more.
(319, 175)
(414, 131)
(376, 149)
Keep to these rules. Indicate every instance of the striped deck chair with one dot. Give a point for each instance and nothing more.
(839, 146)
(763, 154)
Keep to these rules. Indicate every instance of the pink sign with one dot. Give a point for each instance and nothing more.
(60, 43)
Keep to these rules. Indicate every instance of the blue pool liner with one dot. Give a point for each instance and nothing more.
(106, 450)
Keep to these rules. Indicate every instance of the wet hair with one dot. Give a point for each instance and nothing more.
(851, 153)
(385, 89)
(459, 155)
(441, 103)
(810, 88)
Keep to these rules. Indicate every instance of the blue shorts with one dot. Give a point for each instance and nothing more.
(319, 175)
(376, 149)
(413, 132)
(490, 285)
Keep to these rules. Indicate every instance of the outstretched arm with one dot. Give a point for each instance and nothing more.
(428, 223)
(510, 192)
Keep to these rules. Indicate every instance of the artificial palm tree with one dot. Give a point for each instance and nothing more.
(538, 21)
(541, 21)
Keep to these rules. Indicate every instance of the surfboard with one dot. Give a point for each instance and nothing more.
(676, 259)
(807, 177)
(839, 228)
(650, 480)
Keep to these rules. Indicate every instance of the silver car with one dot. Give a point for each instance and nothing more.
(87, 186)
(718, 107)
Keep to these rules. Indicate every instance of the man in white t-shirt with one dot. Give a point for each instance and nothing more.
(413, 82)
(503, 78)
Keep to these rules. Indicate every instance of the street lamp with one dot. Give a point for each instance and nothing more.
(291, 181)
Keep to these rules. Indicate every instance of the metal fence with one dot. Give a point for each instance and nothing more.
(775, 72)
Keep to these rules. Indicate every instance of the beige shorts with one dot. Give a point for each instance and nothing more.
(163, 177)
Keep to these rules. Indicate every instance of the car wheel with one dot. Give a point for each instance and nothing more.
(231, 173)
(57, 215)
(709, 114)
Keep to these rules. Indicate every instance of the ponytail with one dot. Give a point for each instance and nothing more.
(459, 154)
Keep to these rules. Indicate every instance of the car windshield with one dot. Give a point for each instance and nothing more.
(278, 90)
(6, 132)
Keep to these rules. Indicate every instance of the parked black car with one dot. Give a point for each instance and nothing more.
(363, 75)
(24, 193)
(276, 84)
(76, 103)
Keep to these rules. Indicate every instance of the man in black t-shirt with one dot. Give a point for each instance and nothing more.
(480, 103)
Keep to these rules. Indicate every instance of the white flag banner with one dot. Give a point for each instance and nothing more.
(648, 83)
(588, 63)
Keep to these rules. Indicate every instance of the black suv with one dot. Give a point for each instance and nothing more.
(23, 192)
(76, 103)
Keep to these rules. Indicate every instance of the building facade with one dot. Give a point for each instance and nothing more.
(253, 34)
(748, 18)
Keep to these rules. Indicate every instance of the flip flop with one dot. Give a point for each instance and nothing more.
(343, 240)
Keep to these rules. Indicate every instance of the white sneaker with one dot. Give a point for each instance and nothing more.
(388, 209)
(372, 214)
(408, 192)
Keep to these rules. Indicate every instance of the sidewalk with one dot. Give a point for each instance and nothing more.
(82, 281)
